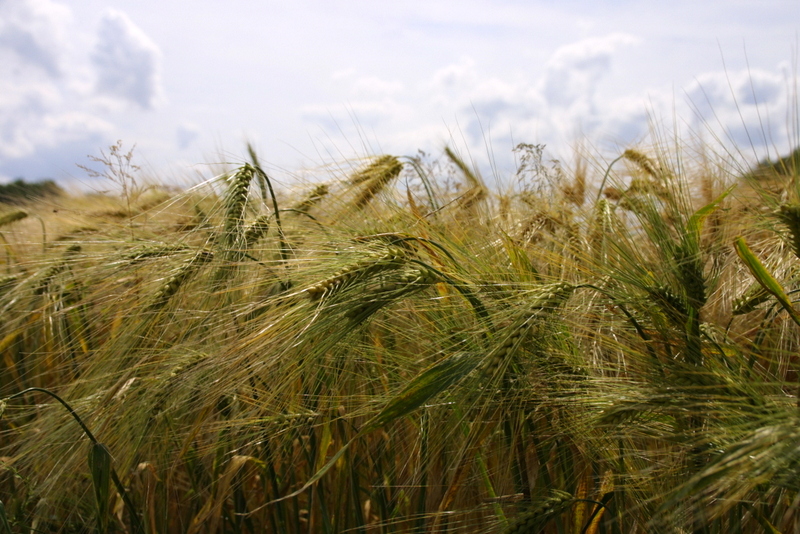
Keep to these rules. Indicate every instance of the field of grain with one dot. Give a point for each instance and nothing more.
(600, 347)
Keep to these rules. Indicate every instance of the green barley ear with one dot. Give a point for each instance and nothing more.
(54, 270)
(748, 301)
(140, 254)
(12, 216)
(184, 274)
(543, 302)
(256, 231)
(375, 177)
(790, 216)
(534, 521)
(235, 202)
(477, 189)
(313, 198)
(604, 225)
(392, 289)
(392, 258)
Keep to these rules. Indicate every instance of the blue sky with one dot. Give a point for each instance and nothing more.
(188, 82)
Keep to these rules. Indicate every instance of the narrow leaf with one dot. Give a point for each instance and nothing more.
(764, 278)
(427, 384)
(100, 467)
(5, 528)
(695, 224)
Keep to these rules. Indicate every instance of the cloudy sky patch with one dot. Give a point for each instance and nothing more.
(310, 81)
(127, 61)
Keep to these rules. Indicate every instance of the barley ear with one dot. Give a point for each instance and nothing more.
(641, 160)
(375, 178)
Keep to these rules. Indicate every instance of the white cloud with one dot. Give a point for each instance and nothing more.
(127, 61)
(573, 73)
(31, 35)
(51, 115)
(556, 105)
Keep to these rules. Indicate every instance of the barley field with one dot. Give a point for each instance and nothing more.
(399, 347)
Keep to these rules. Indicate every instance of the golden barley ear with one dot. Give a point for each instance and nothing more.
(374, 178)
(641, 160)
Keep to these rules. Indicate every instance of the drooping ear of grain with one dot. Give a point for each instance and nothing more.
(392, 258)
(375, 177)
(393, 288)
(184, 273)
(543, 302)
(12, 216)
(56, 269)
(313, 198)
(534, 521)
(750, 299)
(641, 160)
(477, 189)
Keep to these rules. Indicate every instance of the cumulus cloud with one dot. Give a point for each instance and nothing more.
(556, 105)
(31, 35)
(51, 112)
(127, 61)
(573, 73)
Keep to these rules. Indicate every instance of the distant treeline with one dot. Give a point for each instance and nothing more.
(19, 190)
(786, 166)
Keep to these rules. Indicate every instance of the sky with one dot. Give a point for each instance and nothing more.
(310, 83)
